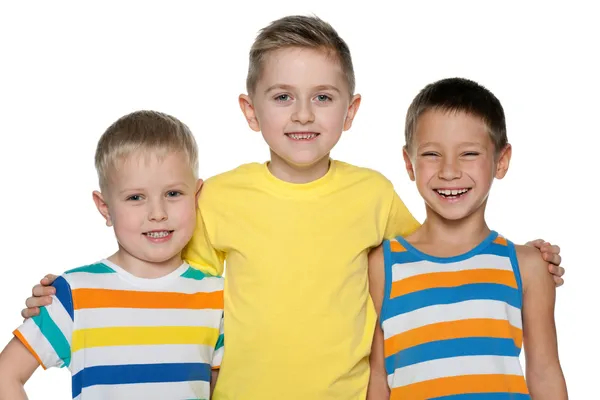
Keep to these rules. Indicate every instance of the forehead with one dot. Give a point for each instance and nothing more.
(449, 126)
(299, 66)
(150, 168)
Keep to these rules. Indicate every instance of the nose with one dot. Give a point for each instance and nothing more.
(157, 211)
(303, 112)
(450, 169)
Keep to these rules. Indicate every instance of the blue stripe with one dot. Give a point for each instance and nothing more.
(139, 373)
(403, 257)
(485, 396)
(64, 295)
(479, 249)
(387, 268)
(515, 266)
(451, 348)
(429, 297)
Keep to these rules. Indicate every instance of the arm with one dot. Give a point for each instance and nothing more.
(400, 221)
(17, 364)
(378, 386)
(545, 378)
(551, 254)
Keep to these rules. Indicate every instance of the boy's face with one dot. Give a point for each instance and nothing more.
(151, 203)
(301, 104)
(453, 161)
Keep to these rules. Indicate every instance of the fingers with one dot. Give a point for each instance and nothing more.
(29, 312)
(536, 243)
(558, 281)
(34, 302)
(48, 280)
(552, 258)
(556, 270)
(549, 248)
(39, 290)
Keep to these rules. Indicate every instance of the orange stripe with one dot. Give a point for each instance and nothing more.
(452, 279)
(103, 298)
(28, 347)
(461, 385)
(481, 327)
(501, 241)
(396, 247)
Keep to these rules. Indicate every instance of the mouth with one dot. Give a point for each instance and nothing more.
(452, 194)
(158, 235)
(302, 136)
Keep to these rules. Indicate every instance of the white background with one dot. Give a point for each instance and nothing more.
(68, 70)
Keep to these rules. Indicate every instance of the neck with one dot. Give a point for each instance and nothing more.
(287, 172)
(463, 233)
(142, 268)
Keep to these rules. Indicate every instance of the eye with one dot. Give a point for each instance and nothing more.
(174, 193)
(134, 197)
(323, 98)
(470, 154)
(429, 154)
(283, 97)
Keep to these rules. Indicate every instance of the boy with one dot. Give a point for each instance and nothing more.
(296, 231)
(141, 323)
(450, 295)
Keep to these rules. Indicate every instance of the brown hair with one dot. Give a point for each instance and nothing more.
(298, 31)
(458, 94)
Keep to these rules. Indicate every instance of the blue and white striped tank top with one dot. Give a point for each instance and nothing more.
(453, 326)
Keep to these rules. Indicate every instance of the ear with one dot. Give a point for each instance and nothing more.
(408, 163)
(199, 183)
(352, 110)
(248, 109)
(503, 162)
(102, 207)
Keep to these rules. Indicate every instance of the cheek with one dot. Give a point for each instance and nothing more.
(128, 219)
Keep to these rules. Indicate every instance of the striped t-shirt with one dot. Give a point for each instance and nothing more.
(452, 326)
(125, 337)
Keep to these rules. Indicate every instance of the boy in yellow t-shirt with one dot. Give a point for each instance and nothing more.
(296, 231)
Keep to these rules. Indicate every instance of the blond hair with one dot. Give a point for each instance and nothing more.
(150, 131)
(298, 31)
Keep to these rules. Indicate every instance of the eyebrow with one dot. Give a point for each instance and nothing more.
(290, 88)
(171, 185)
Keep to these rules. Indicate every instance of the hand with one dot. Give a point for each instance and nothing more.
(40, 296)
(551, 254)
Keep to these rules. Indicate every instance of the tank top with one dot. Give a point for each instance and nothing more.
(453, 326)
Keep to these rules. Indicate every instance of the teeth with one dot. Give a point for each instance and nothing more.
(451, 192)
(158, 235)
(302, 136)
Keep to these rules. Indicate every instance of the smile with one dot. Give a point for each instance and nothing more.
(451, 193)
(158, 234)
(302, 136)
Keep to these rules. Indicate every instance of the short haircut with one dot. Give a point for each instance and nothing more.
(147, 131)
(462, 95)
(298, 31)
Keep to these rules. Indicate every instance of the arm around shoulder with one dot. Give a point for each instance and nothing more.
(17, 365)
(378, 387)
(545, 378)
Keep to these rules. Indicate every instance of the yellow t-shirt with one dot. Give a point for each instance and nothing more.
(298, 316)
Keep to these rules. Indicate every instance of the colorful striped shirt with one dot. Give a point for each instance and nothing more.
(125, 337)
(452, 326)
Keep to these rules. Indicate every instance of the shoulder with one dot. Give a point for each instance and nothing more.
(203, 280)
(531, 264)
(81, 276)
(365, 176)
(236, 175)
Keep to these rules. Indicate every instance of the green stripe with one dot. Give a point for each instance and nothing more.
(220, 342)
(93, 269)
(54, 335)
(193, 273)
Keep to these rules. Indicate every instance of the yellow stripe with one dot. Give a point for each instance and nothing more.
(146, 335)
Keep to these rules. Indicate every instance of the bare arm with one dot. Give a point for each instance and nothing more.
(378, 386)
(544, 374)
(17, 365)
(213, 381)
